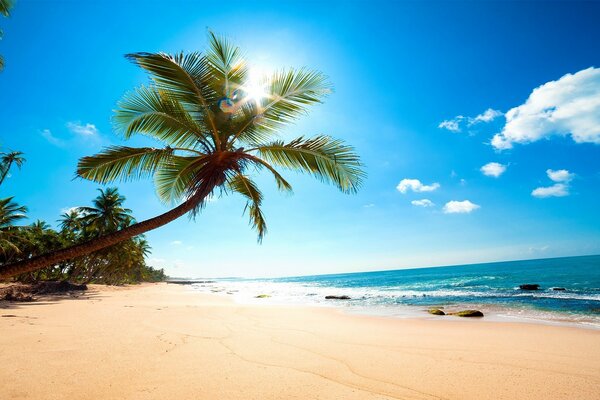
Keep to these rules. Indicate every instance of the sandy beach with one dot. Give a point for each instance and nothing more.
(162, 341)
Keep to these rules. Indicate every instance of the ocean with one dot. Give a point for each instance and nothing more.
(491, 287)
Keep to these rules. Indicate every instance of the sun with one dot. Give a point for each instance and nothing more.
(255, 88)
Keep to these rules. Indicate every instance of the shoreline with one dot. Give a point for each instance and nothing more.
(157, 341)
(493, 312)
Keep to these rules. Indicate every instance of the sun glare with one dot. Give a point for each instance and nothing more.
(255, 87)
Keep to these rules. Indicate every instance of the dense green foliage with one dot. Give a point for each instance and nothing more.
(121, 263)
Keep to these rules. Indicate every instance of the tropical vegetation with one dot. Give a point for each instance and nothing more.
(124, 262)
(214, 127)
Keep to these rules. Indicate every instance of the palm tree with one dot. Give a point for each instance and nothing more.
(71, 221)
(216, 128)
(107, 213)
(5, 6)
(10, 213)
(7, 160)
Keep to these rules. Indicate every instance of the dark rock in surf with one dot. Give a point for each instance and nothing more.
(529, 287)
(436, 311)
(468, 313)
(344, 297)
(562, 289)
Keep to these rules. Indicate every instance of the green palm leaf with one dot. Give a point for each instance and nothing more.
(282, 184)
(183, 75)
(156, 113)
(123, 163)
(241, 184)
(328, 159)
(5, 6)
(187, 77)
(289, 94)
(175, 179)
(225, 60)
(10, 212)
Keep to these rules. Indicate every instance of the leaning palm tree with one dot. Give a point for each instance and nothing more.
(216, 127)
(6, 162)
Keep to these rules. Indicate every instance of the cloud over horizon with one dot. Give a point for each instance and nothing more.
(569, 106)
(416, 186)
(460, 207)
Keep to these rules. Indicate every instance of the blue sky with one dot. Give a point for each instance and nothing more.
(399, 70)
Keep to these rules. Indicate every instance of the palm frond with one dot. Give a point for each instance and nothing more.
(282, 184)
(123, 163)
(174, 179)
(227, 65)
(328, 159)
(241, 184)
(187, 77)
(5, 6)
(156, 113)
(184, 75)
(289, 94)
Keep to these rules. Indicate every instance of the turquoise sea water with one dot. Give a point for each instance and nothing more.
(493, 287)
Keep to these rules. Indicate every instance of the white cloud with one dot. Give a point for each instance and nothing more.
(460, 207)
(422, 203)
(560, 175)
(568, 106)
(68, 210)
(416, 186)
(487, 116)
(176, 243)
(83, 130)
(47, 134)
(453, 125)
(493, 169)
(559, 189)
(370, 205)
(556, 190)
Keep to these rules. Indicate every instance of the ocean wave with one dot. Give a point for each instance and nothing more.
(390, 294)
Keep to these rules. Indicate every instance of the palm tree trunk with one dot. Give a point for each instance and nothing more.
(45, 260)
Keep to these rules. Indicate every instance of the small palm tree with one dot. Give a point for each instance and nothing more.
(10, 213)
(107, 213)
(216, 128)
(71, 221)
(10, 238)
(6, 162)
